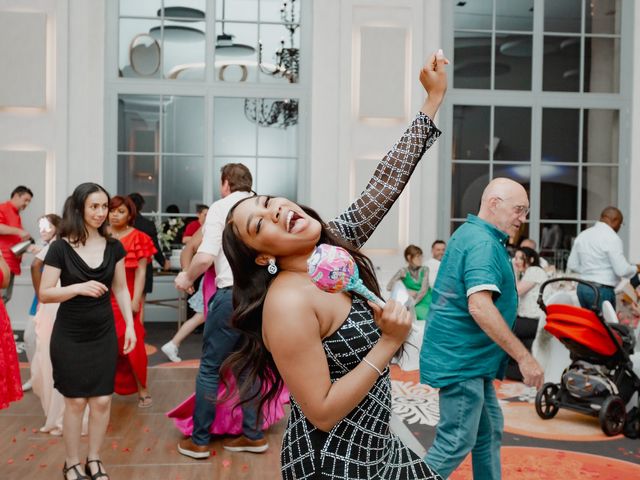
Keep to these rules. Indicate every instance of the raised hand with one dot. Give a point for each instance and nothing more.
(394, 320)
(91, 289)
(433, 77)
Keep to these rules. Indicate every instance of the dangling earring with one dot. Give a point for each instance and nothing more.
(272, 268)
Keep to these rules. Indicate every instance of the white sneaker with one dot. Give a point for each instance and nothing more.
(171, 351)
(26, 386)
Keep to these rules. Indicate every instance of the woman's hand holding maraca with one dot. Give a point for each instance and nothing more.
(394, 321)
(433, 77)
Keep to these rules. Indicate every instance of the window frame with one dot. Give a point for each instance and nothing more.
(209, 89)
(537, 99)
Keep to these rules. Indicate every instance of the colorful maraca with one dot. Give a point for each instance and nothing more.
(333, 270)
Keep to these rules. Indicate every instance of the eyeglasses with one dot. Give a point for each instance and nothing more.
(518, 209)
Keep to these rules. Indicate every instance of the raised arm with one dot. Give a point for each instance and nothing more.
(358, 222)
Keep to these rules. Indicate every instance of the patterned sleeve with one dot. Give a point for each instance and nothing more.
(358, 222)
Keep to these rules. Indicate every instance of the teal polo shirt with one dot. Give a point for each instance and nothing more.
(454, 347)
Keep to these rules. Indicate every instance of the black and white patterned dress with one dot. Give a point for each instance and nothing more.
(361, 446)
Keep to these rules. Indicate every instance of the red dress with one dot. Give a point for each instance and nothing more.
(138, 245)
(10, 383)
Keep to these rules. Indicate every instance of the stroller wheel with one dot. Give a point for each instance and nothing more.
(547, 401)
(612, 415)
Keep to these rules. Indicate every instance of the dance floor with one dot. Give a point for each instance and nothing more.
(141, 443)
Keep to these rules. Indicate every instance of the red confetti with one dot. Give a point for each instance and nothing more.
(226, 463)
(126, 450)
(10, 461)
(148, 449)
(147, 429)
(245, 467)
(34, 430)
(13, 440)
(43, 465)
(24, 429)
(213, 453)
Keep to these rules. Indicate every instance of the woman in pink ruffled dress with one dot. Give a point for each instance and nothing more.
(228, 420)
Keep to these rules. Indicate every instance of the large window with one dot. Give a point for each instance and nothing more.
(538, 96)
(195, 84)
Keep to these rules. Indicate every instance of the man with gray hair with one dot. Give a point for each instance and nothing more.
(468, 331)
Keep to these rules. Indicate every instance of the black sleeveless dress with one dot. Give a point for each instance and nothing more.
(84, 346)
(361, 445)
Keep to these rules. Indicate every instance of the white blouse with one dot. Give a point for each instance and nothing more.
(527, 305)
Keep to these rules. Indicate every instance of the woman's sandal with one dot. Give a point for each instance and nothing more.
(145, 401)
(99, 474)
(76, 470)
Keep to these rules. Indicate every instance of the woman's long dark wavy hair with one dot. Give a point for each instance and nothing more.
(250, 285)
(72, 226)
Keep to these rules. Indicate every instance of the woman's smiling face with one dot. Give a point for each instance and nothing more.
(276, 226)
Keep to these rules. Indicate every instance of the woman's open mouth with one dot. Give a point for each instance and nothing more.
(292, 220)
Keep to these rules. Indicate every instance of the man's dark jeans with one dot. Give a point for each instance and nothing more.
(218, 342)
(587, 296)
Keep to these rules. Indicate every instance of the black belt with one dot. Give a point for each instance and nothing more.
(600, 285)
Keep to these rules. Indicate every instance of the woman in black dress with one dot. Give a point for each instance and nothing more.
(331, 350)
(84, 347)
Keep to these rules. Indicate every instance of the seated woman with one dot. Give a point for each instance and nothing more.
(529, 276)
(415, 277)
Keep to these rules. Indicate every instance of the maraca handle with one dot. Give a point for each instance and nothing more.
(359, 288)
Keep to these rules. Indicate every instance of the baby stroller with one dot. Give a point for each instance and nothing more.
(600, 380)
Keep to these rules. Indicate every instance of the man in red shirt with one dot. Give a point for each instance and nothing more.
(11, 231)
(195, 225)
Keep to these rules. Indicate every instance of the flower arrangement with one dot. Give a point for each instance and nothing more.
(168, 231)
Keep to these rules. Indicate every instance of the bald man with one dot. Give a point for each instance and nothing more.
(598, 257)
(468, 331)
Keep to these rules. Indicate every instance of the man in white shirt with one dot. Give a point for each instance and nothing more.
(437, 252)
(598, 257)
(219, 337)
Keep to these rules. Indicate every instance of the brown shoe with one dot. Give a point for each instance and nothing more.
(190, 449)
(244, 444)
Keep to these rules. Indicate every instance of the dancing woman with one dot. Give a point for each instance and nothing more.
(84, 346)
(331, 350)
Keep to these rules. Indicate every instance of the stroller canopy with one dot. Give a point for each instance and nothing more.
(582, 326)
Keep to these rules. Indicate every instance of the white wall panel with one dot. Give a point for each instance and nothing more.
(23, 50)
(383, 72)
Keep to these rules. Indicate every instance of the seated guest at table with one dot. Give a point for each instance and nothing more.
(529, 276)
(415, 277)
(193, 226)
(527, 242)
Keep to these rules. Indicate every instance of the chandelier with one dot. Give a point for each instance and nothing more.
(287, 63)
(271, 113)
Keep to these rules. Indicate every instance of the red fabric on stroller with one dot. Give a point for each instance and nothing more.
(582, 326)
